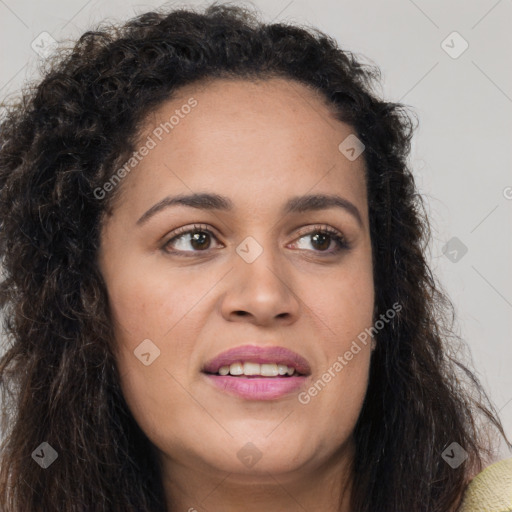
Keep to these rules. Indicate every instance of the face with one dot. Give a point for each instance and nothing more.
(259, 269)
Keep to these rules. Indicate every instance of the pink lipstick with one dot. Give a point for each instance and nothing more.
(254, 372)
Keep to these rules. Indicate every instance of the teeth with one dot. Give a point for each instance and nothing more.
(236, 369)
(282, 369)
(269, 370)
(252, 369)
(248, 368)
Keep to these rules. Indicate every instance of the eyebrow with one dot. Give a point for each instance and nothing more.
(297, 204)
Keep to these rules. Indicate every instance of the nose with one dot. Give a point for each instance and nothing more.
(261, 291)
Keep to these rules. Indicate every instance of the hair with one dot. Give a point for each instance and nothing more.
(61, 140)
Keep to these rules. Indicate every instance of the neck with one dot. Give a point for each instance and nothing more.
(323, 487)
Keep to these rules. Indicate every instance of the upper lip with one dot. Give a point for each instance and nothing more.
(258, 354)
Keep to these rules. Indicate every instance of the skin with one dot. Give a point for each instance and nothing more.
(258, 143)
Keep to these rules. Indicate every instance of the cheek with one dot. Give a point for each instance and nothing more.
(144, 307)
(159, 404)
(147, 303)
(344, 303)
(154, 304)
(344, 307)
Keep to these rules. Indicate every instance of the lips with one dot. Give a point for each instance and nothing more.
(261, 355)
(253, 387)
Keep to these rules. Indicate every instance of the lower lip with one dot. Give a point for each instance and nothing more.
(257, 388)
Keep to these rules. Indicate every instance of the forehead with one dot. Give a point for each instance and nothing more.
(246, 138)
(237, 112)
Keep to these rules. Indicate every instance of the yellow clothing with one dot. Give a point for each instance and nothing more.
(490, 490)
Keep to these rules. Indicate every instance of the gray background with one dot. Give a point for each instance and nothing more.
(461, 152)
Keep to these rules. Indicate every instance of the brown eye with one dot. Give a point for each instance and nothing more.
(197, 239)
(322, 239)
(187, 241)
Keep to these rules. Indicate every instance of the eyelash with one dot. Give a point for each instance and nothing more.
(338, 238)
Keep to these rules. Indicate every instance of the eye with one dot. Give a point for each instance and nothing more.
(323, 237)
(198, 241)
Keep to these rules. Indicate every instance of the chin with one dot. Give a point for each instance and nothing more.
(259, 455)
(268, 466)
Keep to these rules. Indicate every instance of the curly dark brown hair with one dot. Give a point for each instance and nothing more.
(62, 140)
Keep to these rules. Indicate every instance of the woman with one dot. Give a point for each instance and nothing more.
(215, 284)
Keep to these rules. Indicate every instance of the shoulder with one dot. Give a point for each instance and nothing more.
(490, 490)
